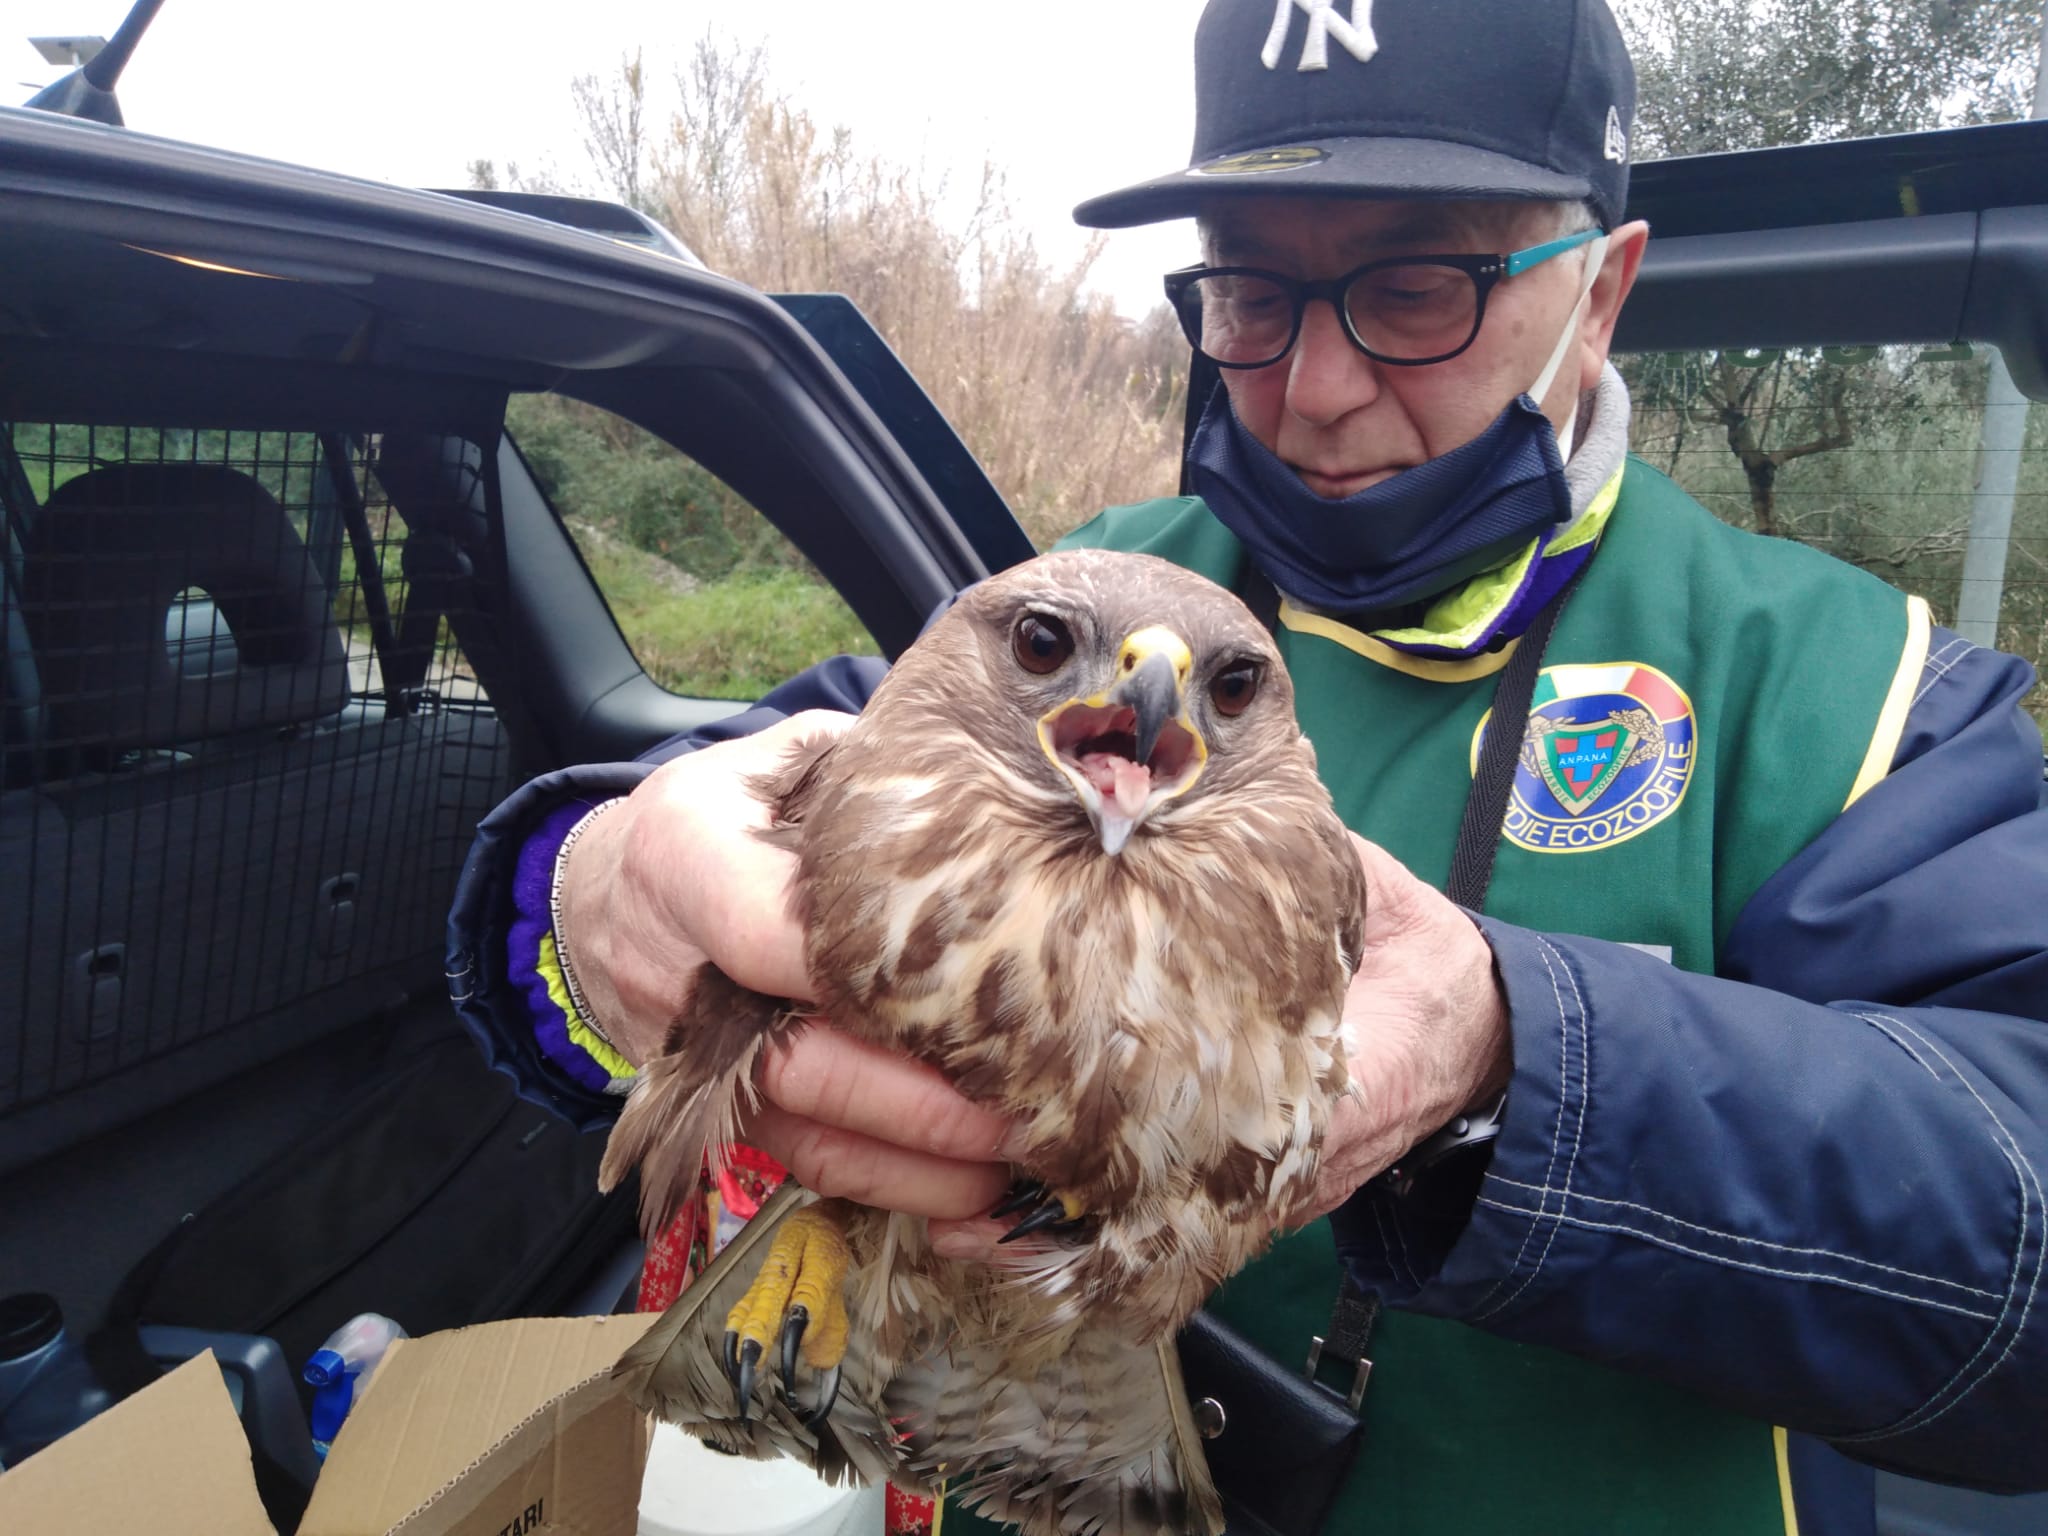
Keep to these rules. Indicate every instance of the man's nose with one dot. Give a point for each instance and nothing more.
(1327, 377)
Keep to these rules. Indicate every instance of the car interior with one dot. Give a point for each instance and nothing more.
(284, 610)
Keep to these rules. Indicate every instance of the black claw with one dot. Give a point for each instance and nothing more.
(1024, 1194)
(1079, 1230)
(732, 1358)
(793, 1326)
(828, 1394)
(1051, 1214)
(749, 1373)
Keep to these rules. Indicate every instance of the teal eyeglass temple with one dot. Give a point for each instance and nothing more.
(1518, 262)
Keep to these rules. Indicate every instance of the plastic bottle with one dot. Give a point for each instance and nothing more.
(349, 1355)
(47, 1389)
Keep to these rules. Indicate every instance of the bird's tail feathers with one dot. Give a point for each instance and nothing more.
(637, 1365)
(674, 1371)
(1095, 1438)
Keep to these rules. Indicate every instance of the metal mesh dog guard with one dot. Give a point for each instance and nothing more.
(243, 754)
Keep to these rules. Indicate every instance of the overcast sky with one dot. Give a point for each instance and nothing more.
(1069, 97)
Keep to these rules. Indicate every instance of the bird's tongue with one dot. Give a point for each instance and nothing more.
(1118, 779)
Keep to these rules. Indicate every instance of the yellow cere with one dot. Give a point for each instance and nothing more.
(1157, 640)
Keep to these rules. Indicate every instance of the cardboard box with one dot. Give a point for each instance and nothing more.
(505, 1429)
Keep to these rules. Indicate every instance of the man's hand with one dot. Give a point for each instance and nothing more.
(676, 877)
(1425, 1029)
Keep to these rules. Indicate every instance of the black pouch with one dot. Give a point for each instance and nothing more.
(1280, 1444)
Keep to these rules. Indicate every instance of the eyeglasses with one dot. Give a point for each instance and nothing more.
(1405, 310)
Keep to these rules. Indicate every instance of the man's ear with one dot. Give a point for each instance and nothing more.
(1619, 265)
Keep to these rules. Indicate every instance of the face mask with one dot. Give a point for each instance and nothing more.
(1417, 533)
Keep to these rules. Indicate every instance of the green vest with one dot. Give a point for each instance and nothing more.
(1709, 702)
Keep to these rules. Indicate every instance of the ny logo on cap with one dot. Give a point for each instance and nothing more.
(1323, 23)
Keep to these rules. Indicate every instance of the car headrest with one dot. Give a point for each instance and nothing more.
(109, 555)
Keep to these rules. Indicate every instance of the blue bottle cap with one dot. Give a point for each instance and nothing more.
(325, 1368)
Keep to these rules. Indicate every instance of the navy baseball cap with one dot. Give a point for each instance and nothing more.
(1420, 99)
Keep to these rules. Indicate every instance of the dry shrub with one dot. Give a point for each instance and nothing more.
(1069, 406)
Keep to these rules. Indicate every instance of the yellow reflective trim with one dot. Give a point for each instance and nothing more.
(1434, 669)
(1458, 618)
(1594, 523)
(1780, 1444)
(548, 965)
(1898, 701)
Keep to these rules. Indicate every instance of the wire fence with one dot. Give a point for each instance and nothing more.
(1873, 455)
(243, 755)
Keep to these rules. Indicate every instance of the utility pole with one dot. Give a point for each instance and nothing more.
(2003, 437)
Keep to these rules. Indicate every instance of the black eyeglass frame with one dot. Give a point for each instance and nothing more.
(1485, 271)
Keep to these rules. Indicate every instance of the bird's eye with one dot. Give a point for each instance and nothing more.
(1041, 643)
(1235, 687)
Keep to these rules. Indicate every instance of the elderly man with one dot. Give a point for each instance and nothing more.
(1760, 1143)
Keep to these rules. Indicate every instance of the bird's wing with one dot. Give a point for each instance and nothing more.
(1095, 1436)
(675, 1370)
(686, 1102)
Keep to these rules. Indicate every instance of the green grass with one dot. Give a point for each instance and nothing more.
(730, 639)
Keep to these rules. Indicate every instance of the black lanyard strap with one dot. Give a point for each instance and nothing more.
(1486, 803)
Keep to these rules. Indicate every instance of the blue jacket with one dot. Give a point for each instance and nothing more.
(1853, 1118)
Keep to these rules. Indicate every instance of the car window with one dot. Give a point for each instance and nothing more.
(1873, 454)
(715, 602)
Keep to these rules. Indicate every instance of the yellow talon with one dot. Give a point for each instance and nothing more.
(806, 1266)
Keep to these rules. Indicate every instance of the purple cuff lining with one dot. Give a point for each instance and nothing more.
(532, 883)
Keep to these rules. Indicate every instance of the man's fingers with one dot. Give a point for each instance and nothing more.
(822, 1074)
(860, 1168)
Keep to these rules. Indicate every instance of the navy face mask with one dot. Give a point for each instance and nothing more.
(1415, 534)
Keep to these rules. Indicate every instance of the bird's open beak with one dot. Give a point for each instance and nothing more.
(1131, 747)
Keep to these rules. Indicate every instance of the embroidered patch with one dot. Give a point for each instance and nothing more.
(1607, 752)
(1256, 162)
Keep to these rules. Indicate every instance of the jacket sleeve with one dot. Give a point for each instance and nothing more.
(1811, 1188)
(491, 1003)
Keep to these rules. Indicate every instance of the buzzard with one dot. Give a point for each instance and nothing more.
(1075, 855)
